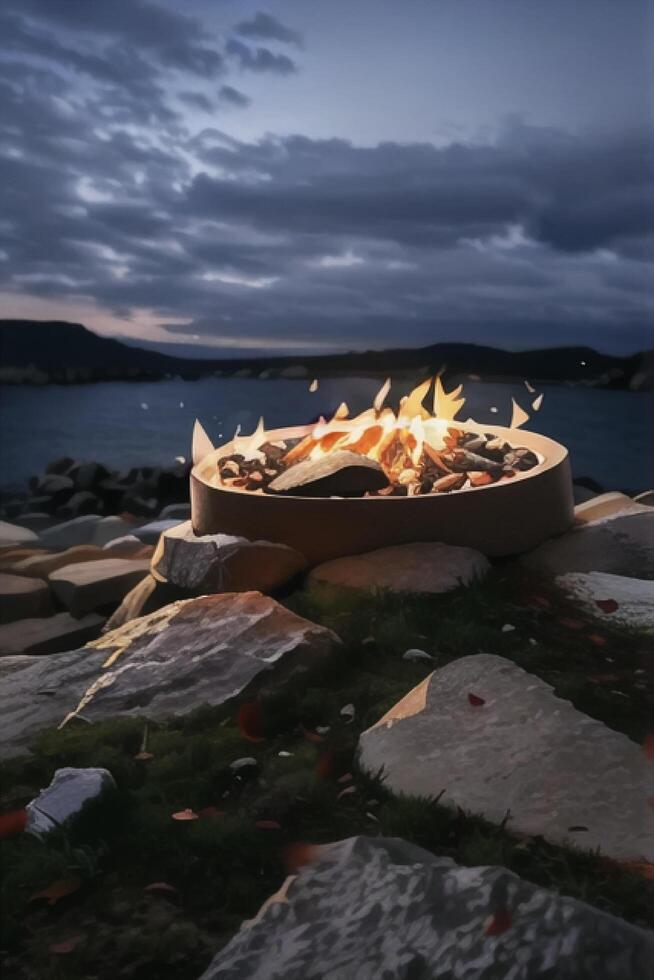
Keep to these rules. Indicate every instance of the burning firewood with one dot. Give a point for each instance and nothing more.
(338, 474)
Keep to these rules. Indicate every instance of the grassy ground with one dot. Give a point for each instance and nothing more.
(220, 867)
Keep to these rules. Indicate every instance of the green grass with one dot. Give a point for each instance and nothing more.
(223, 865)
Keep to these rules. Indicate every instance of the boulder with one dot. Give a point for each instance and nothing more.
(596, 593)
(69, 797)
(607, 505)
(150, 533)
(69, 533)
(622, 545)
(419, 567)
(49, 634)
(110, 528)
(86, 476)
(176, 512)
(61, 465)
(494, 739)
(15, 536)
(223, 563)
(40, 566)
(91, 585)
(82, 502)
(22, 598)
(212, 651)
(372, 907)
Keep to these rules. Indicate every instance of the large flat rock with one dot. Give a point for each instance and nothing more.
(222, 562)
(614, 599)
(371, 908)
(15, 536)
(67, 534)
(95, 584)
(419, 567)
(40, 566)
(622, 545)
(22, 597)
(524, 751)
(49, 634)
(207, 651)
(608, 505)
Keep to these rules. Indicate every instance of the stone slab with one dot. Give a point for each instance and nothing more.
(48, 634)
(634, 598)
(110, 528)
(79, 530)
(40, 566)
(70, 794)
(207, 651)
(150, 533)
(93, 585)
(370, 908)
(622, 545)
(15, 536)
(222, 562)
(22, 597)
(522, 751)
(419, 567)
(607, 505)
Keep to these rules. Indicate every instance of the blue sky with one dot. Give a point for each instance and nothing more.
(308, 176)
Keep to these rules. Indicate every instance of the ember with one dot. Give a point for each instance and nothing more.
(379, 453)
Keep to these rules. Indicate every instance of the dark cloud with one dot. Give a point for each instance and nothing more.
(259, 59)
(265, 27)
(107, 194)
(234, 97)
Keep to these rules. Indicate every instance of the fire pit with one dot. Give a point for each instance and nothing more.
(345, 486)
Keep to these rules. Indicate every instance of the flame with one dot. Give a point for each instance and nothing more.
(396, 440)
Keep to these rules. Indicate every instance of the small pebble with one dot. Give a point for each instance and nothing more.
(284, 755)
(322, 729)
(348, 711)
(532, 641)
(242, 763)
(508, 628)
(416, 655)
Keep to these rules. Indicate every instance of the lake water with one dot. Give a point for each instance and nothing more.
(610, 434)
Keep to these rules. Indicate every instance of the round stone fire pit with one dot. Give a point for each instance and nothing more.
(502, 518)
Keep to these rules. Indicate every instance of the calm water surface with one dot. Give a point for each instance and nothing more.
(610, 434)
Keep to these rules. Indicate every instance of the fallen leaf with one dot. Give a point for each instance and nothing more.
(159, 886)
(250, 722)
(267, 825)
(144, 756)
(599, 641)
(475, 701)
(643, 868)
(324, 768)
(499, 923)
(66, 946)
(311, 736)
(570, 623)
(603, 678)
(12, 824)
(58, 890)
(348, 791)
(607, 605)
(299, 854)
(186, 814)
(539, 601)
(211, 811)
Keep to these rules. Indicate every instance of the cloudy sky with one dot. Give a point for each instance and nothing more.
(330, 174)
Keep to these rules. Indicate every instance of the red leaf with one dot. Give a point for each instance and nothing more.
(298, 854)
(57, 890)
(604, 678)
(606, 605)
(186, 814)
(250, 721)
(211, 811)
(324, 768)
(648, 745)
(643, 868)
(311, 736)
(12, 824)
(475, 700)
(539, 601)
(500, 922)
(144, 756)
(599, 641)
(267, 825)
(571, 624)
(66, 946)
(159, 886)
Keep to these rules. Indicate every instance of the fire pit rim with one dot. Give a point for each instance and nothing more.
(555, 455)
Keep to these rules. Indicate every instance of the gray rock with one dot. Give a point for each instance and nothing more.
(61, 465)
(66, 799)
(622, 545)
(109, 529)
(82, 502)
(607, 505)
(634, 598)
(368, 908)
(223, 563)
(22, 598)
(208, 651)
(51, 484)
(522, 750)
(69, 533)
(419, 567)
(150, 533)
(86, 476)
(125, 543)
(15, 536)
(176, 512)
(49, 634)
(91, 585)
